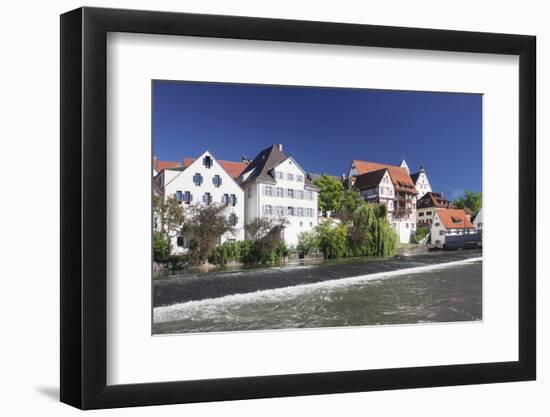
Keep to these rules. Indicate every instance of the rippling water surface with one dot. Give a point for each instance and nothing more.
(433, 293)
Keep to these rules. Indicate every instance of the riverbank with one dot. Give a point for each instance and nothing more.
(194, 287)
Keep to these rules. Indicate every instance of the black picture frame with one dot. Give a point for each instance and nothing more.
(84, 207)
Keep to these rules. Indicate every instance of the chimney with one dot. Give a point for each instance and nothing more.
(280, 146)
(245, 160)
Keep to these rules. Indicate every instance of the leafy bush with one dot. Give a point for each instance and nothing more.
(225, 253)
(161, 247)
(308, 242)
(420, 234)
(205, 225)
(176, 262)
(332, 240)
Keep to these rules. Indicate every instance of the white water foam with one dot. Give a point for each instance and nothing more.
(180, 310)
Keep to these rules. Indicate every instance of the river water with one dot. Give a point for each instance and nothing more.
(420, 289)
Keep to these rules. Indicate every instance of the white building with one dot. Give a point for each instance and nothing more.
(478, 221)
(390, 185)
(449, 222)
(204, 181)
(421, 182)
(276, 186)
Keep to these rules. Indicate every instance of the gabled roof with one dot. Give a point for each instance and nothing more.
(160, 165)
(370, 179)
(415, 175)
(454, 219)
(433, 199)
(232, 168)
(260, 169)
(400, 178)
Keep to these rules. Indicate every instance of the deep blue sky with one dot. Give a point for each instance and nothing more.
(324, 128)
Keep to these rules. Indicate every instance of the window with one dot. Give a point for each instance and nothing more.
(280, 211)
(309, 195)
(197, 179)
(301, 224)
(299, 178)
(407, 225)
(279, 175)
(300, 212)
(187, 197)
(310, 224)
(268, 190)
(442, 233)
(436, 224)
(290, 177)
(207, 161)
(233, 199)
(290, 193)
(207, 199)
(299, 194)
(421, 214)
(309, 212)
(268, 210)
(428, 213)
(290, 211)
(179, 196)
(233, 219)
(217, 181)
(225, 199)
(279, 192)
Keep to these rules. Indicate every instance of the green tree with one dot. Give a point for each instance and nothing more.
(370, 234)
(161, 247)
(333, 239)
(168, 216)
(470, 199)
(204, 226)
(330, 193)
(308, 242)
(350, 201)
(266, 236)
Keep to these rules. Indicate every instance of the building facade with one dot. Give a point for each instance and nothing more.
(421, 182)
(204, 181)
(478, 220)
(276, 186)
(395, 189)
(449, 222)
(427, 205)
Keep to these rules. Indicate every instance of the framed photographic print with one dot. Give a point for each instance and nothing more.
(257, 208)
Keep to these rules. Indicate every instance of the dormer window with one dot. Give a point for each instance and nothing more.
(217, 181)
(207, 161)
(197, 179)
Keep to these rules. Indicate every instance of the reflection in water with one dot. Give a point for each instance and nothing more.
(440, 294)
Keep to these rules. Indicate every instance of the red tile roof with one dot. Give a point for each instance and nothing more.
(454, 219)
(401, 179)
(232, 168)
(160, 165)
